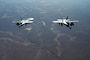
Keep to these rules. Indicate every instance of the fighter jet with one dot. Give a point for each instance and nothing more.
(23, 22)
(65, 21)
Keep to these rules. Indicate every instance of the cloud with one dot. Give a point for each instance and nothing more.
(58, 35)
(28, 29)
(44, 24)
(12, 35)
(25, 43)
(56, 39)
(59, 51)
(38, 54)
(43, 12)
(72, 38)
(15, 39)
(5, 16)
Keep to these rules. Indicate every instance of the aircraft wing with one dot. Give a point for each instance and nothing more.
(74, 21)
(30, 19)
(29, 22)
(57, 21)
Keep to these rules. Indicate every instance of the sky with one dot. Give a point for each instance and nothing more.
(44, 40)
